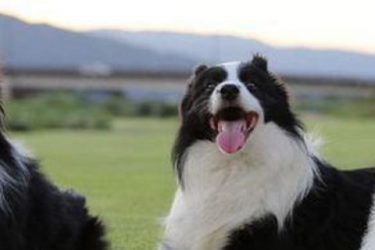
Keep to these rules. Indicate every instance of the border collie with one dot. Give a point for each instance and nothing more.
(249, 179)
(36, 215)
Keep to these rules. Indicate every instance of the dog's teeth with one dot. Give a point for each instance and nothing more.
(213, 124)
(219, 127)
(253, 121)
(243, 127)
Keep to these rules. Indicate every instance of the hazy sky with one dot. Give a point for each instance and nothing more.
(315, 23)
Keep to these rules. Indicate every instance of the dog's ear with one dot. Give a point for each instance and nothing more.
(199, 69)
(184, 106)
(186, 101)
(260, 62)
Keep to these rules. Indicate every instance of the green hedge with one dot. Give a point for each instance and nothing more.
(118, 106)
(364, 108)
(55, 111)
(78, 111)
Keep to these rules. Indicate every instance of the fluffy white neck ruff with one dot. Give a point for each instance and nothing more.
(223, 192)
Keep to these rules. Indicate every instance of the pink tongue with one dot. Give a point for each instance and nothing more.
(231, 137)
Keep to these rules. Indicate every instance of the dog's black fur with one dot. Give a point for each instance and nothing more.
(35, 214)
(334, 215)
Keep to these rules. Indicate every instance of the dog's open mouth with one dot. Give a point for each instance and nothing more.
(233, 127)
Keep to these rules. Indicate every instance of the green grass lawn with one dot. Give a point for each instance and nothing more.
(126, 173)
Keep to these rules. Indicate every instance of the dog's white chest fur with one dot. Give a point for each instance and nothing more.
(223, 192)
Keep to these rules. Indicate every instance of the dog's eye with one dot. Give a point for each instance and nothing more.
(211, 85)
(251, 86)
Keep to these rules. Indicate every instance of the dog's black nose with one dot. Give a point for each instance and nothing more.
(229, 92)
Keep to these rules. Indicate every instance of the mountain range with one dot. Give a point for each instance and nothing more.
(287, 61)
(25, 46)
(44, 47)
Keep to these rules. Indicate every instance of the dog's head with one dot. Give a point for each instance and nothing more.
(227, 103)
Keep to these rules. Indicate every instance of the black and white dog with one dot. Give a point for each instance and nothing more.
(36, 215)
(250, 180)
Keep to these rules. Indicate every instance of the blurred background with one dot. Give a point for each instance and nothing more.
(92, 87)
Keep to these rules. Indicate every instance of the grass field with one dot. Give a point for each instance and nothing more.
(127, 176)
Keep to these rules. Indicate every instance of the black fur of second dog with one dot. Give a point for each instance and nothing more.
(35, 214)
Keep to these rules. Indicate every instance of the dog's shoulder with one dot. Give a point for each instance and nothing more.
(334, 215)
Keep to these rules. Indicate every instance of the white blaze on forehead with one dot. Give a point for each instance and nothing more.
(232, 71)
(246, 100)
